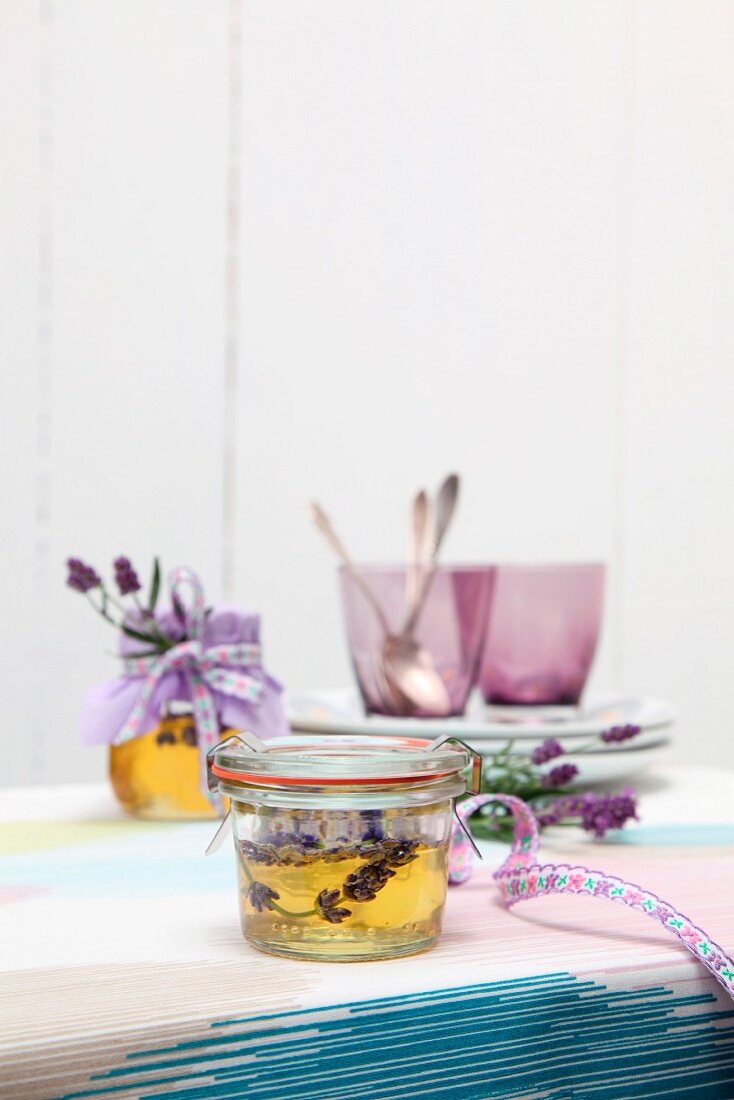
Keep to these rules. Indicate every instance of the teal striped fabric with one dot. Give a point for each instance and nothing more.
(554, 1036)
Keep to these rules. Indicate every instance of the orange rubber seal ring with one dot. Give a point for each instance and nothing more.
(289, 781)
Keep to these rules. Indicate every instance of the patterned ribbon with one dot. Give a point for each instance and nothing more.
(221, 668)
(521, 877)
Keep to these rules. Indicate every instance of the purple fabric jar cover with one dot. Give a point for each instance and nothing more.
(108, 706)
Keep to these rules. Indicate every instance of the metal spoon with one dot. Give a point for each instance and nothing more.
(406, 677)
(409, 663)
(420, 528)
(392, 698)
(448, 496)
(410, 668)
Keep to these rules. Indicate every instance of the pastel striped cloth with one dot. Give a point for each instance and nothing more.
(124, 972)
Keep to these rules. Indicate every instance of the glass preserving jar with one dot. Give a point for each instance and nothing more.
(341, 843)
(157, 776)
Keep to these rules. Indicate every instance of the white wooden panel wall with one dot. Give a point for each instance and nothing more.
(433, 232)
(121, 427)
(24, 275)
(679, 591)
(442, 234)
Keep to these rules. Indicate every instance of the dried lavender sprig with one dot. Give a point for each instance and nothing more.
(128, 584)
(362, 885)
(396, 853)
(82, 577)
(620, 733)
(598, 813)
(125, 576)
(517, 774)
(552, 747)
(548, 750)
(327, 906)
(85, 579)
(271, 897)
(560, 776)
(365, 884)
(261, 896)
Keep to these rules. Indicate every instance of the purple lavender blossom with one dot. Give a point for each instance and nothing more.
(549, 750)
(598, 813)
(82, 577)
(126, 577)
(326, 906)
(261, 896)
(559, 777)
(601, 812)
(557, 809)
(553, 813)
(619, 733)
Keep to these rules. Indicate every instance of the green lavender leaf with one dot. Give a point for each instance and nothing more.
(140, 637)
(155, 585)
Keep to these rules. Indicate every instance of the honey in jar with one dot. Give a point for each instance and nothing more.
(342, 843)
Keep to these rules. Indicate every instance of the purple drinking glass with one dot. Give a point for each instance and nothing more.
(451, 627)
(542, 633)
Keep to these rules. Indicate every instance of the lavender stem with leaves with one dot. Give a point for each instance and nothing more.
(547, 793)
(85, 579)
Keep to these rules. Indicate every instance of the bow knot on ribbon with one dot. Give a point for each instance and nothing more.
(222, 668)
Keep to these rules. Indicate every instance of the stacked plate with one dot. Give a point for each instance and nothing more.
(488, 729)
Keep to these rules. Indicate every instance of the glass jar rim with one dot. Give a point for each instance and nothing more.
(333, 759)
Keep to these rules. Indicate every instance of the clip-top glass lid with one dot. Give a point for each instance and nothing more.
(339, 760)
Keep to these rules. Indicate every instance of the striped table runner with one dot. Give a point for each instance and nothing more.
(124, 973)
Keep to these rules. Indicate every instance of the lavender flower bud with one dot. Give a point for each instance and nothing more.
(260, 896)
(397, 853)
(126, 577)
(365, 884)
(82, 577)
(599, 813)
(552, 813)
(619, 733)
(336, 915)
(560, 776)
(549, 750)
(326, 904)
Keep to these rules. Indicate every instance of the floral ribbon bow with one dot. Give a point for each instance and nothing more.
(220, 668)
(522, 877)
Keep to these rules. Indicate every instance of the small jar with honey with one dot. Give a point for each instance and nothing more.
(157, 776)
(341, 843)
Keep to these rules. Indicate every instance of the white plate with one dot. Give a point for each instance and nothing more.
(340, 711)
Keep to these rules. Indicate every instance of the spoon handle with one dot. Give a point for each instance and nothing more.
(420, 525)
(448, 496)
(324, 525)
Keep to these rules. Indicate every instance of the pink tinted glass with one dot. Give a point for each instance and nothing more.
(452, 627)
(542, 633)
